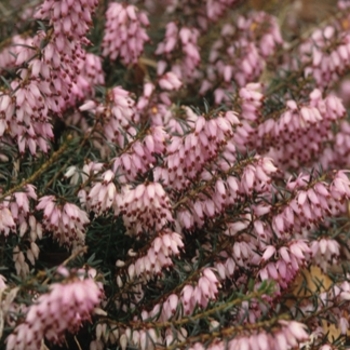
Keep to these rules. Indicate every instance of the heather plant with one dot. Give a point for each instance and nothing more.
(173, 175)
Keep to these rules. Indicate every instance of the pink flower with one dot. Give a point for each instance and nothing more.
(64, 308)
(325, 252)
(64, 16)
(124, 33)
(289, 260)
(185, 39)
(141, 155)
(325, 65)
(145, 208)
(159, 255)
(169, 81)
(67, 222)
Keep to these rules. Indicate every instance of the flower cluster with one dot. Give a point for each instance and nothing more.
(64, 17)
(301, 132)
(238, 55)
(290, 335)
(48, 69)
(145, 208)
(64, 308)
(187, 39)
(124, 33)
(330, 56)
(202, 14)
(117, 116)
(191, 297)
(158, 255)
(325, 252)
(141, 156)
(67, 222)
(15, 213)
(188, 153)
(290, 260)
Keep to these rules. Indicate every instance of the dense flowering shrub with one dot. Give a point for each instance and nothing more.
(173, 175)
